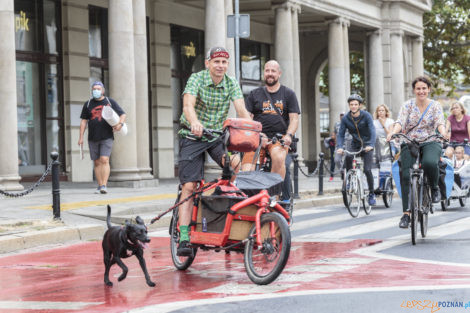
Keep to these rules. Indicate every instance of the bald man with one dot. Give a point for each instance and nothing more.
(276, 107)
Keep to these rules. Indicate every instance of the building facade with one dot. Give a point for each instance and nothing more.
(144, 51)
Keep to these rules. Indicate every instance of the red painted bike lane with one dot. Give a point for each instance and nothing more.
(71, 278)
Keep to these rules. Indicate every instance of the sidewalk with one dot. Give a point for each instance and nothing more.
(27, 221)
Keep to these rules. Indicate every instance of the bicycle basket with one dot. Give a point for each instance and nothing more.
(214, 210)
(252, 183)
(243, 135)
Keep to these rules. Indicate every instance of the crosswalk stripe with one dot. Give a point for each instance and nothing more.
(45, 305)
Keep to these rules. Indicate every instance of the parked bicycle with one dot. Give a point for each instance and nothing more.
(419, 202)
(354, 194)
(225, 217)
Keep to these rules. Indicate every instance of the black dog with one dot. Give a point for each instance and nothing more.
(120, 242)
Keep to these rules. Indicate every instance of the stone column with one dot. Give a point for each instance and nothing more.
(376, 81)
(283, 43)
(230, 46)
(347, 74)
(418, 66)
(398, 80)
(215, 31)
(122, 88)
(9, 176)
(141, 89)
(336, 79)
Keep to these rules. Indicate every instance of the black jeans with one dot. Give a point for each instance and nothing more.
(367, 159)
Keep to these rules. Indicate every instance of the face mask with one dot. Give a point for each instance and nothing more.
(96, 93)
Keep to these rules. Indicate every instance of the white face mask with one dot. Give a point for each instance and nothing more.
(96, 93)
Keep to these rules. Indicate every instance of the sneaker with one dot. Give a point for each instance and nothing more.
(184, 249)
(404, 221)
(284, 203)
(331, 178)
(435, 195)
(372, 199)
(103, 189)
(98, 190)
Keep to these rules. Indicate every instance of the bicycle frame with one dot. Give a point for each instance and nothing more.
(261, 200)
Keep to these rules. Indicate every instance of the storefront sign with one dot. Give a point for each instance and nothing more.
(21, 22)
(189, 51)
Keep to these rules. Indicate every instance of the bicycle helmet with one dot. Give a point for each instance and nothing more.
(355, 96)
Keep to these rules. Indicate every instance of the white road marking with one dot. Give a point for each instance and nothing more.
(173, 306)
(45, 305)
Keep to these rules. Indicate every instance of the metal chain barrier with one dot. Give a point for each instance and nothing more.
(30, 189)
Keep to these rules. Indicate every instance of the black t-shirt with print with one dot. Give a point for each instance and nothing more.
(260, 106)
(98, 128)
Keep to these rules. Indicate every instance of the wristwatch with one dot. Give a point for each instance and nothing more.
(122, 124)
(291, 136)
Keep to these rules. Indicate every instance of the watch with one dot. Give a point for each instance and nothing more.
(122, 124)
(291, 136)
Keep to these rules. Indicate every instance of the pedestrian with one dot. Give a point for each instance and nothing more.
(100, 133)
(330, 143)
(338, 160)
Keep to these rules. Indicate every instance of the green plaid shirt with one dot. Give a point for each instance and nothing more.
(212, 101)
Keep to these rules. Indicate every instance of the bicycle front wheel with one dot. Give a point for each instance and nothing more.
(388, 192)
(355, 194)
(413, 206)
(264, 263)
(423, 215)
(346, 190)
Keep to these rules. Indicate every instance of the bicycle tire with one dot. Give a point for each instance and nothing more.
(347, 196)
(388, 192)
(463, 201)
(413, 206)
(180, 262)
(365, 201)
(275, 250)
(355, 190)
(445, 203)
(424, 215)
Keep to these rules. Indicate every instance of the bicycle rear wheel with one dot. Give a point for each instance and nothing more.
(388, 192)
(264, 264)
(413, 206)
(180, 262)
(355, 194)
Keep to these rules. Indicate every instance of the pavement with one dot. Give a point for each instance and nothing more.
(27, 222)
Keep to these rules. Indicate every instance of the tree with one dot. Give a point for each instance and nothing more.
(447, 43)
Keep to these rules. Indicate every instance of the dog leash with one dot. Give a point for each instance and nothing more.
(153, 220)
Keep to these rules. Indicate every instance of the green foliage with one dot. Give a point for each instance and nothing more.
(447, 43)
(356, 61)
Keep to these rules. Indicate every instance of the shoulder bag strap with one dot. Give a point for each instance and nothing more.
(357, 129)
(421, 118)
(273, 106)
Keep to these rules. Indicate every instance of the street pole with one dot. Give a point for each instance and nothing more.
(237, 41)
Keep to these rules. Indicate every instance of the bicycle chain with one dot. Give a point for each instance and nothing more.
(30, 189)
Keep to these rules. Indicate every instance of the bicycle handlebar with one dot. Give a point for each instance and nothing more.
(209, 133)
(353, 152)
(415, 141)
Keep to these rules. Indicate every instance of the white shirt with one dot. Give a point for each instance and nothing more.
(379, 130)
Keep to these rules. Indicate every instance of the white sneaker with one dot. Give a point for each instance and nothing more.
(103, 189)
(98, 190)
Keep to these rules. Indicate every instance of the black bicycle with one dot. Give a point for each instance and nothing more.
(419, 200)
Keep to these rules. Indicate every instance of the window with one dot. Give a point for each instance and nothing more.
(98, 44)
(324, 121)
(39, 84)
(253, 56)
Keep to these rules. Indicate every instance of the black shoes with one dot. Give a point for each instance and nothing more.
(405, 221)
(435, 195)
(184, 249)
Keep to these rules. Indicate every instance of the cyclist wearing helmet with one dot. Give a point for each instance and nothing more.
(360, 125)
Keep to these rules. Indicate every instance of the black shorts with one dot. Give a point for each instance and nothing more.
(191, 158)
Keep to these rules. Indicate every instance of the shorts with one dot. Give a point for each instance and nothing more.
(191, 158)
(248, 157)
(100, 148)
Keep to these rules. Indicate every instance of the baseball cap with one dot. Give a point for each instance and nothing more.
(217, 52)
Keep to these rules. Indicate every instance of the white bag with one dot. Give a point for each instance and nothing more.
(111, 117)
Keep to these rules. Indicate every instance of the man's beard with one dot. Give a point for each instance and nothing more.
(270, 84)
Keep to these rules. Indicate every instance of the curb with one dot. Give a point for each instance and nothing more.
(20, 241)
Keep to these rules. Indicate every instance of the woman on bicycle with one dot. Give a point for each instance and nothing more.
(360, 125)
(418, 119)
(458, 123)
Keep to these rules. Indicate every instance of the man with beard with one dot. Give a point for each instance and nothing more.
(275, 106)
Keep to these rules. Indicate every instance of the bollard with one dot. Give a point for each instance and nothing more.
(55, 185)
(296, 175)
(320, 174)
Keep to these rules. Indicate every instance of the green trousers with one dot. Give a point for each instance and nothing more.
(430, 154)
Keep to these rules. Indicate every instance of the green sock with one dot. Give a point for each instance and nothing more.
(184, 233)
